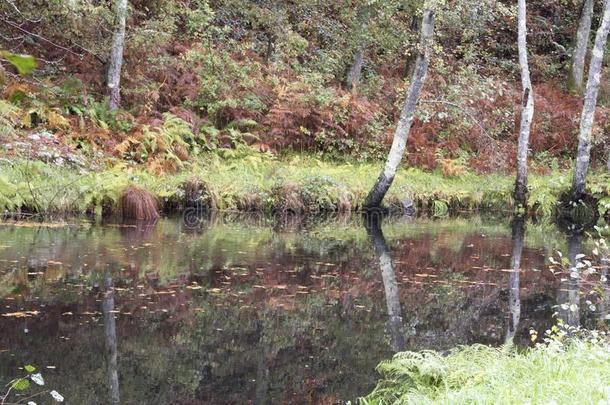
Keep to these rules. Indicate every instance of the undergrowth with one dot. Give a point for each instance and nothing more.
(576, 372)
(261, 182)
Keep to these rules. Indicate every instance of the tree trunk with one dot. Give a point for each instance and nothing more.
(588, 110)
(116, 56)
(355, 71)
(527, 110)
(385, 179)
(514, 299)
(582, 43)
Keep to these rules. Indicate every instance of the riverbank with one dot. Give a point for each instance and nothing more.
(261, 182)
(547, 374)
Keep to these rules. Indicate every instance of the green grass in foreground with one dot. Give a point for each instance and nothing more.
(574, 373)
(261, 182)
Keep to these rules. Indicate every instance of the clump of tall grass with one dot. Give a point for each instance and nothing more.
(138, 203)
(556, 373)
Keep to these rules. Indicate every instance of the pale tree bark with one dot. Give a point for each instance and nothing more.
(527, 109)
(590, 101)
(116, 55)
(582, 43)
(399, 144)
(514, 298)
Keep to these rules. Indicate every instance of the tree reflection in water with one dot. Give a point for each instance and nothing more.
(111, 338)
(373, 227)
(569, 290)
(514, 299)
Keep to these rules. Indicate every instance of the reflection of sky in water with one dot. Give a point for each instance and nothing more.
(236, 311)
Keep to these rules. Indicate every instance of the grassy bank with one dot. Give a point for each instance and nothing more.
(556, 374)
(262, 183)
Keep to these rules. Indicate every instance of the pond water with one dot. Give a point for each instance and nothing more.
(260, 310)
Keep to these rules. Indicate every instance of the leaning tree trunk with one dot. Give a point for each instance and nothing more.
(385, 179)
(527, 109)
(590, 101)
(116, 56)
(582, 42)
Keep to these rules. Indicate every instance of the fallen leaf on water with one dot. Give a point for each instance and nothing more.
(37, 378)
(57, 396)
(21, 314)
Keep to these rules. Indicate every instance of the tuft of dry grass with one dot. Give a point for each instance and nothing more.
(137, 203)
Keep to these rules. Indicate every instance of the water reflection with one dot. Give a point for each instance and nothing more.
(604, 307)
(392, 297)
(108, 312)
(568, 297)
(256, 312)
(514, 299)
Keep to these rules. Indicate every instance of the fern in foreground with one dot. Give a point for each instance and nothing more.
(576, 372)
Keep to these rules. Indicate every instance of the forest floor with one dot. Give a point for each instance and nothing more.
(263, 182)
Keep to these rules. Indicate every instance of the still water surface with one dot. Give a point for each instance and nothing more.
(265, 311)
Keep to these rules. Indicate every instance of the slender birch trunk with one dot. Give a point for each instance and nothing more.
(527, 109)
(514, 299)
(386, 177)
(582, 43)
(116, 55)
(355, 71)
(590, 102)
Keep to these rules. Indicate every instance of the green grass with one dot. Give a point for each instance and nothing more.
(574, 373)
(264, 183)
